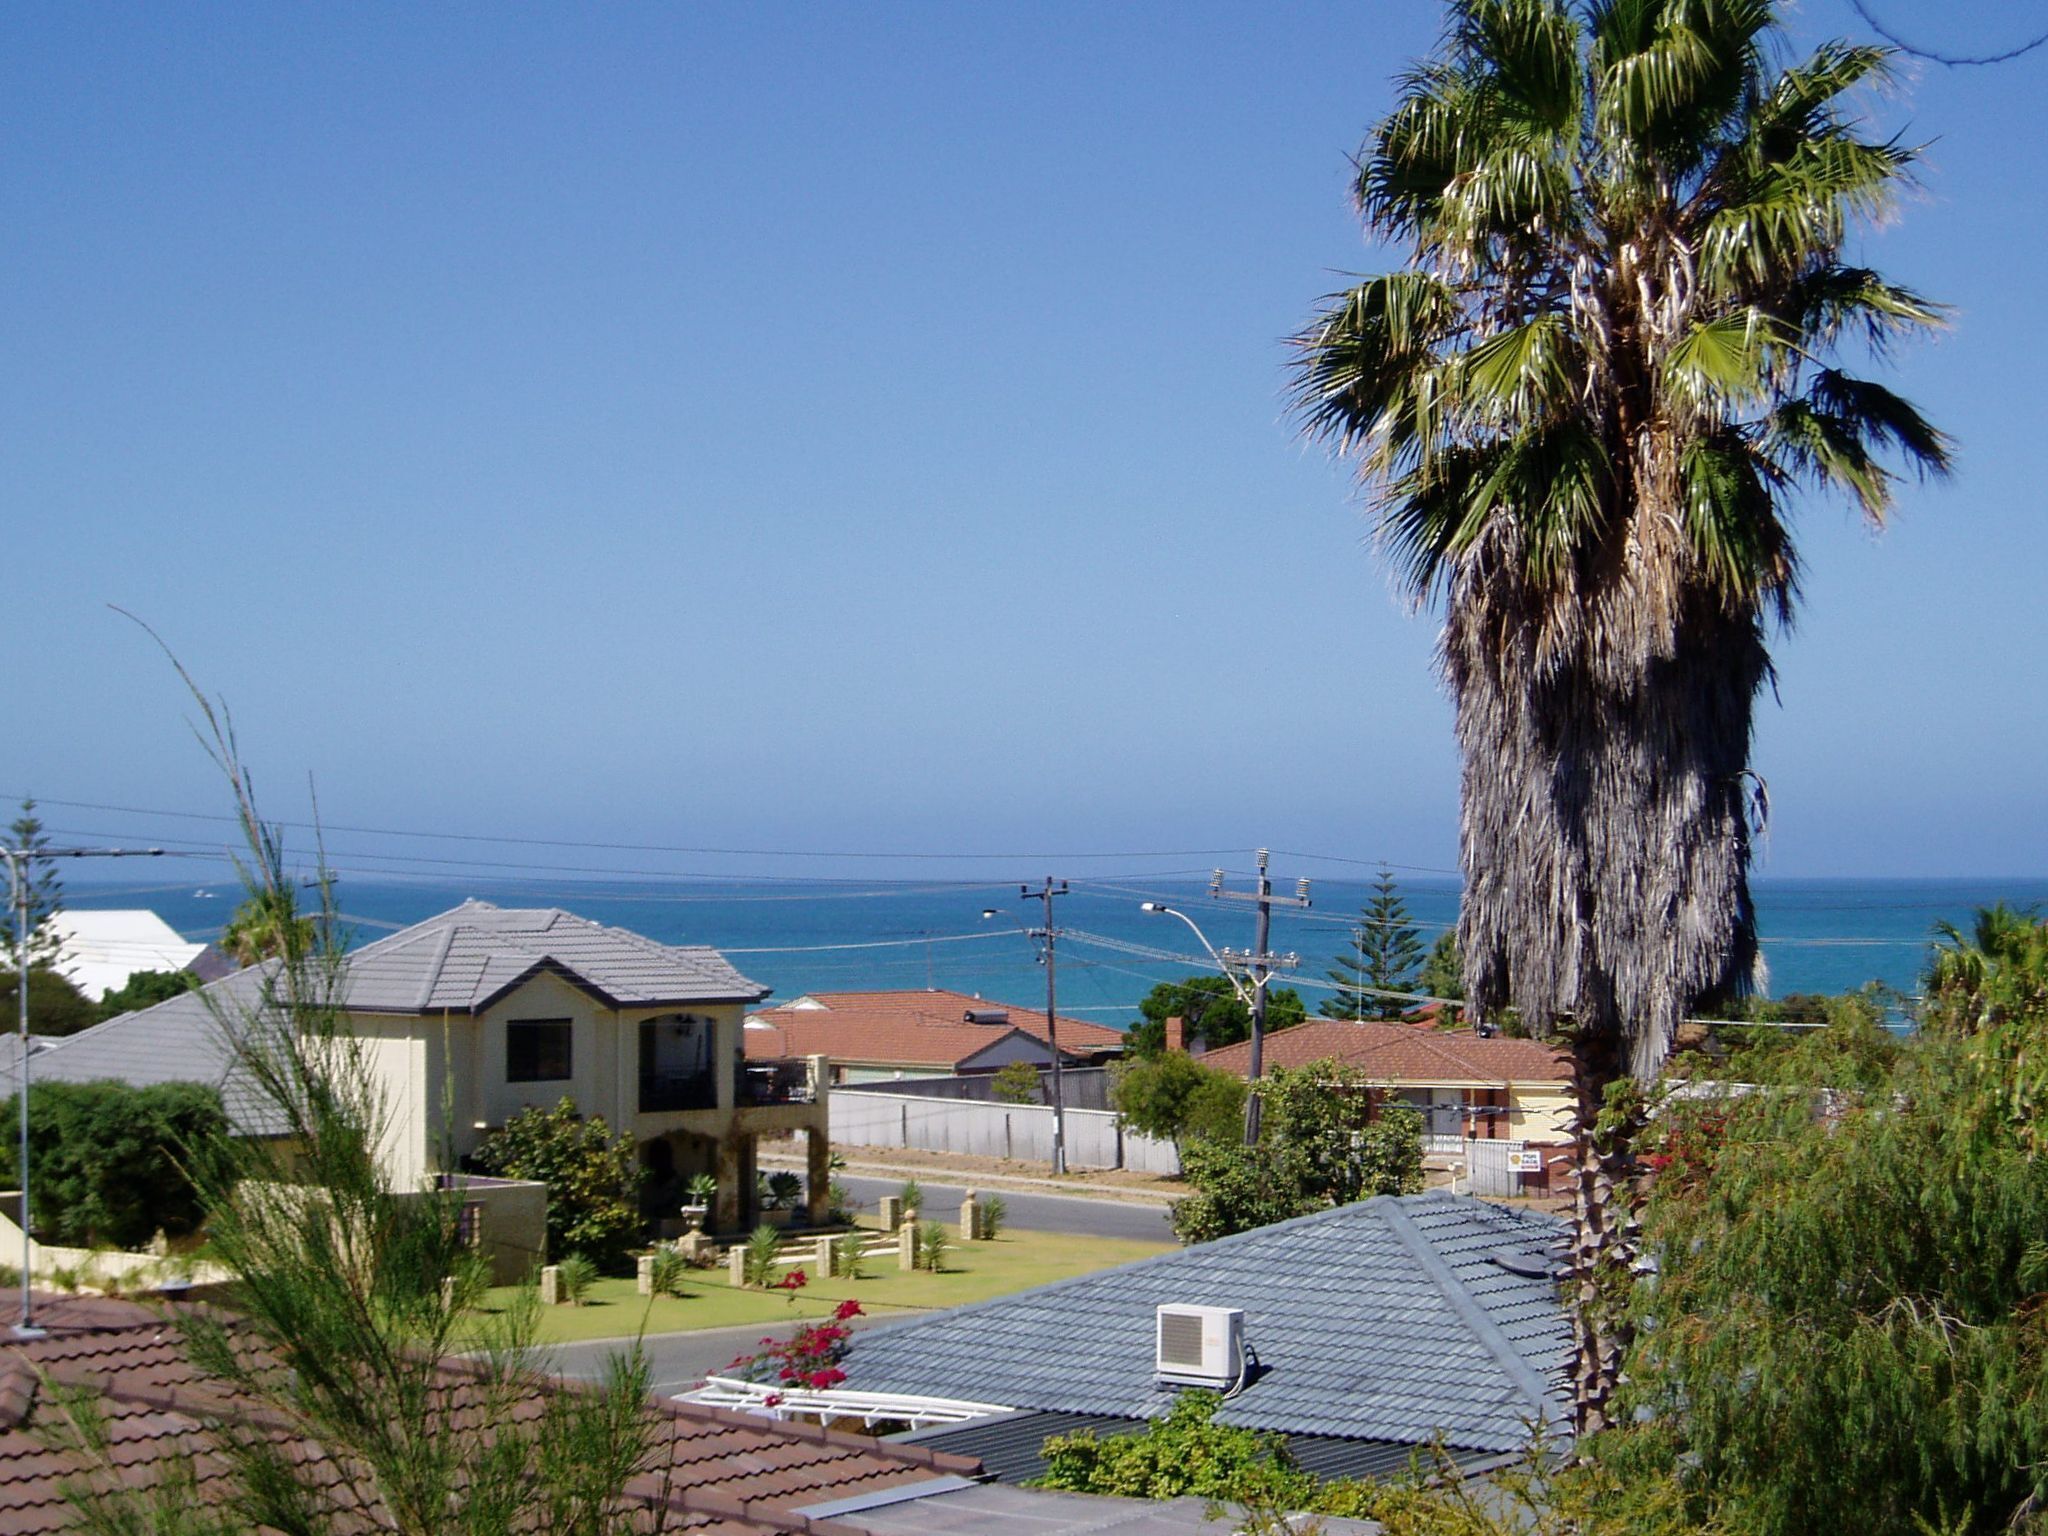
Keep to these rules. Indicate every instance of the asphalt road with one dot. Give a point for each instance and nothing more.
(678, 1361)
(1086, 1215)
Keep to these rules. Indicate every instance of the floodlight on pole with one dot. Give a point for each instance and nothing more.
(18, 860)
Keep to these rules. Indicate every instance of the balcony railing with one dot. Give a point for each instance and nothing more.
(666, 1092)
(777, 1082)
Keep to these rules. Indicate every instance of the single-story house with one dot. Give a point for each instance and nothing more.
(717, 1473)
(1371, 1330)
(1468, 1086)
(477, 1013)
(876, 1036)
(100, 949)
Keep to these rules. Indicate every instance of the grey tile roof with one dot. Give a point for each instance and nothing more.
(461, 961)
(1388, 1320)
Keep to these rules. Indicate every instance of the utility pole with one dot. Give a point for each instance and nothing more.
(1260, 963)
(1047, 935)
(19, 861)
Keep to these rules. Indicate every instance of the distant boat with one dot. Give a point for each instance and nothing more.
(203, 895)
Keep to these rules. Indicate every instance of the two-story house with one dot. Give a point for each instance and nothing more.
(473, 1015)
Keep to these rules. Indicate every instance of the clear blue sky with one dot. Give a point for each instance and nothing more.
(855, 428)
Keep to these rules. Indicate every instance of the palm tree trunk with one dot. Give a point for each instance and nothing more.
(1604, 1235)
(1605, 844)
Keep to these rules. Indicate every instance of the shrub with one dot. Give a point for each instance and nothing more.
(932, 1244)
(1185, 1453)
(1016, 1084)
(841, 1199)
(994, 1212)
(592, 1179)
(112, 1162)
(702, 1189)
(807, 1358)
(576, 1275)
(846, 1257)
(764, 1246)
(785, 1191)
(913, 1198)
(668, 1269)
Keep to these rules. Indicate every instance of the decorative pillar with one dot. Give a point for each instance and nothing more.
(818, 1170)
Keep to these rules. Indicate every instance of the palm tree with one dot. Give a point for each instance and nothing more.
(1996, 972)
(267, 925)
(1609, 359)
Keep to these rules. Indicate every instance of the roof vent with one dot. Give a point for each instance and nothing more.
(988, 1015)
(1201, 1346)
(1519, 1261)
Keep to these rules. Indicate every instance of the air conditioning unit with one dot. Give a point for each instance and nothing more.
(1201, 1346)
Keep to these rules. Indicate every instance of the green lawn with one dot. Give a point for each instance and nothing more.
(974, 1272)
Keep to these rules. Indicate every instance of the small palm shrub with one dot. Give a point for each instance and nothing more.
(764, 1245)
(912, 1197)
(932, 1244)
(841, 1201)
(994, 1212)
(846, 1257)
(702, 1189)
(668, 1270)
(576, 1275)
(785, 1189)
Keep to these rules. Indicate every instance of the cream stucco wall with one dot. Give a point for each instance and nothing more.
(444, 1077)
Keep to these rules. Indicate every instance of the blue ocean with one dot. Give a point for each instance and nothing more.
(798, 937)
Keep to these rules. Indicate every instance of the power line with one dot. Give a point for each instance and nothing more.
(1953, 61)
(553, 842)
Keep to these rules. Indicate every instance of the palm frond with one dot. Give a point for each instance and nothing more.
(1731, 361)
(1832, 300)
(1732, 524)
(1522, 373)
(1356, 366)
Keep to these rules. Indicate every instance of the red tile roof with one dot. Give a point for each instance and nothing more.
(1401, 1053)
(911, 1029)
(733, 1475)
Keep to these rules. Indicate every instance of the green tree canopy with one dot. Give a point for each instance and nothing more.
(111, 1163)
(1174, 1097)
(55, 1006)
(1326, 1137)
(1212, 1010)
(145, 989)
(1845, 1328)
(592, 1178)
(42, 887)
(1384, 954)
(1443, 971)
(1618, 345)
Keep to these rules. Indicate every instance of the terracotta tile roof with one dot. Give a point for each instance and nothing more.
(920, 1029)
(732, 1473)
(1401, 1053)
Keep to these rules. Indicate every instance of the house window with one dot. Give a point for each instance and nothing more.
(537, 1051)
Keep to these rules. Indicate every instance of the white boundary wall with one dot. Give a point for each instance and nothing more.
(1019, 1131)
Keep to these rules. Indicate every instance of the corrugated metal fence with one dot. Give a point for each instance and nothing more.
(861, 1118)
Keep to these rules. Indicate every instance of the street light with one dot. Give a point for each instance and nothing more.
(1229, 975)
(1048, 936)
(17, 875)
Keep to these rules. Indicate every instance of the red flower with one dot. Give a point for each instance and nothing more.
(795, 1280)
(846, 1309)
(772, 1400)
(831, 1376)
